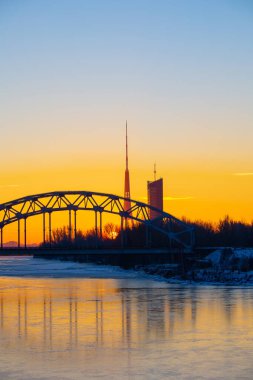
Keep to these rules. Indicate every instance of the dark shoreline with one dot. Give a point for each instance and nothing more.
(225, 266)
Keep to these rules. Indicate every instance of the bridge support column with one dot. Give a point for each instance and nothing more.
(18, 233)
(44, 228)
(70, 227)
(122, 232)
(50, 228)
(1, 237)
(126, 231)
(75, 224)
(25, 233)
(100, 226)
(96, 228)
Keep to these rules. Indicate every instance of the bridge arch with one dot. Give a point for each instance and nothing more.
(73, 201)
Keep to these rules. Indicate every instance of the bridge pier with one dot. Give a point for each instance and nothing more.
(100, 226)
(19, 233)
(44, 228)
(50, 228)
(75, 224)
(122, 232)
(70, 226)
(25, 233)
(1, 237)
(96, 228)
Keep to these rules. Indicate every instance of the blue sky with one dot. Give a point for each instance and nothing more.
(72, 72)
(136, 59)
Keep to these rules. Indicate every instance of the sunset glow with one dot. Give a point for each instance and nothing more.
(126, 182)
(63, 109)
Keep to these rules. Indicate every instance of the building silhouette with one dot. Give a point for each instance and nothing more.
(155, 195)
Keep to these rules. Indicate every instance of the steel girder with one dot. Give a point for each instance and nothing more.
(22, 208)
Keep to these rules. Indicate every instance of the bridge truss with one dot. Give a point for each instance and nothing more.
(73, 201)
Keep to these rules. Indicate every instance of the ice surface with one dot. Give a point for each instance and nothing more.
(20, 266)
(121, 329)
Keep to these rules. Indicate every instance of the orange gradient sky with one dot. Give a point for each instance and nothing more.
(72, 72)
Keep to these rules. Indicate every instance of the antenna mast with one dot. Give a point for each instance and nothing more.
(127, 203)
(126, 148)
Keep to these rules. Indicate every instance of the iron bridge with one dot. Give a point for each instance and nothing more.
(45, 204)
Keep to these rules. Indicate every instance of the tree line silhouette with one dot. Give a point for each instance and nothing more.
(227, 232)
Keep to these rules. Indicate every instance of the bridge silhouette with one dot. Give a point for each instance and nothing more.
(18, 210)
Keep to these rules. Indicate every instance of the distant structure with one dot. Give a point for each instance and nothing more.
(127, 203)
(155, 195)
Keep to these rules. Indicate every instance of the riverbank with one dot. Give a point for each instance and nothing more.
(230, 266)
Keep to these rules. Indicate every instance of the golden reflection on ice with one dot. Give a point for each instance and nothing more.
(61, 313)
(102, 319)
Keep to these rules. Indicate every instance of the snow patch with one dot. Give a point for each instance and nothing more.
(215, 256)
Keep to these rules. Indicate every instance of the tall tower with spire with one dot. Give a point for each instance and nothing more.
(127, 203)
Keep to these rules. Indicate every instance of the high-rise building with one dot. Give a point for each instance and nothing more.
(155, 195)
(127, 203)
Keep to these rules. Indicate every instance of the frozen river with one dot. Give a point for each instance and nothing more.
(62, 321)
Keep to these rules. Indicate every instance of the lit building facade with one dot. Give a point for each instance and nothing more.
(155, 196)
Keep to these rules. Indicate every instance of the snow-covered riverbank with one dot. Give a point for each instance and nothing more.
(231, 266)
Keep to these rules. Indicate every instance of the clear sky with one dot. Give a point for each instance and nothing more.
(180, 72)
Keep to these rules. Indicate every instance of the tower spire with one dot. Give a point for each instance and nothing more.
(155, 171)
(127, 203)
(126, 148)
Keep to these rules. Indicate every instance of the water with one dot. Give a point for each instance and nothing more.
(62, 321)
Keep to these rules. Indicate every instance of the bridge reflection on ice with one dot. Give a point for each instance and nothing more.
(61, 313)
(111, 327)
(65, 312)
